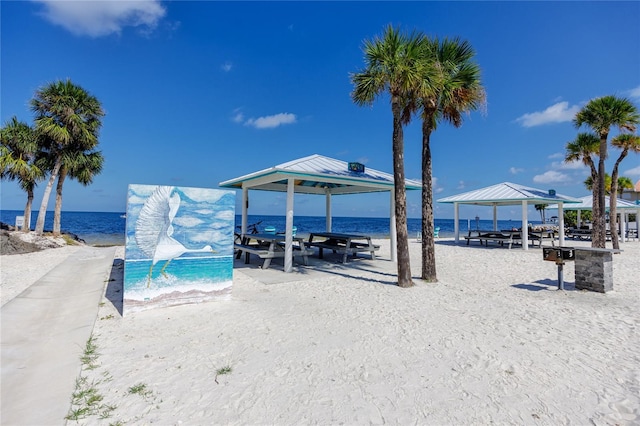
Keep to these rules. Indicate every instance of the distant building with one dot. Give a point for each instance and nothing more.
(632, 195)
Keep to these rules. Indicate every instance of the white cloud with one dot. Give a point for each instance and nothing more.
(556, 155)
(227, 66)
(102, 18)
(633, 172)
(461, 185)
(271, 121)
(515, 170)
(187, 222)
(563, 165)
(434, 184)
(238, 117)
(551, 176)
(556, 113)
(634, 93)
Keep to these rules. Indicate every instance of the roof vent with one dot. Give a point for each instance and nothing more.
(356, 167)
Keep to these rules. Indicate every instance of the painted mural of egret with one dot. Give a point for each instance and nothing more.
(154, 229)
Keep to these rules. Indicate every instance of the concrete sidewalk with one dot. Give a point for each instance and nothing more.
(44, 332)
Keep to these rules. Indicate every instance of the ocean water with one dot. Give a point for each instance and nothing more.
(108, 228)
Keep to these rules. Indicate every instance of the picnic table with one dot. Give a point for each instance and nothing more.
(269, 246)
(345, 244)
(498, 236)
(540, 236)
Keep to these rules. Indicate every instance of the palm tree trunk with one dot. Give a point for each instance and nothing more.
(599, 234)
(595, 210)
(26, 226)
(613, 214)
(57, 213)
(428, 244)
(45, 197)
(404, 264)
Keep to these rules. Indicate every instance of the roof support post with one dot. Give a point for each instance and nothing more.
(456, 219)
(288, 240)
(495, 216)
(327, 202)
(561, 224)
(525, 226)
(393, 242)
(245, 208)
(579, 219)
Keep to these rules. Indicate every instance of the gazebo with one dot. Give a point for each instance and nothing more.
(317, 174)
(622, 206)
(505, 194)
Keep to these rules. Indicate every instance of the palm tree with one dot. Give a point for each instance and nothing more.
(451, 87)
(626, 142)
(601, 114)
(541, 208)
(393, 67)
(18, 161)
(66, 116)
(81, 166)
(624, 183)
(588, 183)
(583, 149)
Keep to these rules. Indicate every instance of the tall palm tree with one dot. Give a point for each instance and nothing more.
(66, 116)
(18, 161)
(451, 87)
(626, 142)
(80, 166)
(393, 67)
(600, 115)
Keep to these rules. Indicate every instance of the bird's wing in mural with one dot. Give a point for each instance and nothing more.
(154, 220)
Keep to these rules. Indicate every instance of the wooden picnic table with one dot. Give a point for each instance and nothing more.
(269, 246)
(345, 244)
(498, 236)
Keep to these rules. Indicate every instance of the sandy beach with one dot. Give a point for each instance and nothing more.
(493, 341)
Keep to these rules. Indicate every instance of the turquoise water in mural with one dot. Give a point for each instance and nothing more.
(193, 270)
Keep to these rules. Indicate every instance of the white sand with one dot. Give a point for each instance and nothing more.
(492, 342)
(17, 272)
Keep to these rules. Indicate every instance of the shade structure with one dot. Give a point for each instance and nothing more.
(317, 174)
(622, 206)
(506, 194)
(586, 203)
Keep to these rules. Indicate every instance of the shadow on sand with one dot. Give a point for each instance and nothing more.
(545, 284)
(115, 287)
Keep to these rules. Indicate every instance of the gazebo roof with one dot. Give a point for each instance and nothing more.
(507, 193)
(317, 174)
(587, 204)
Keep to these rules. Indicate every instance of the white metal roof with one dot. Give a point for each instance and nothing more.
(587, 204)
(507, 193)
(316, 174)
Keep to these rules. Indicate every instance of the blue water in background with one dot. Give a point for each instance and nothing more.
(105, 228)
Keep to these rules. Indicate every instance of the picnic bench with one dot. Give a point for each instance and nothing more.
(345, 244)
(578, 233)
(498, 236)
(540, 236)
(270, 246)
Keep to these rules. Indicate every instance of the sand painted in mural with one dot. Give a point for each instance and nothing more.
(179, 246)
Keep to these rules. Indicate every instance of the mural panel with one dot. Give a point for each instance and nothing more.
(179, 246)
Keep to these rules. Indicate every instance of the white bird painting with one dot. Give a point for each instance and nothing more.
(154, 229)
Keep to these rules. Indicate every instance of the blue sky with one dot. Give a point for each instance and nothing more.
(199, 92)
